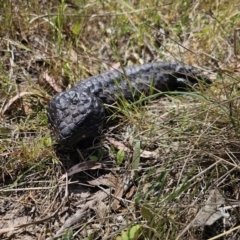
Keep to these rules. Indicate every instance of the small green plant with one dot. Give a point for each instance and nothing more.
(68, 235)
(132, 234)
(120, 156)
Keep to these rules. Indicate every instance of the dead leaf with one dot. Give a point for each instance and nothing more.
(130, 193)
(88, 165)
(51, 81)
(106, 180)
(118, 145)
(119, 187)
(211, 212)
(12, 100)
(101, 211)
(73, 55)
(148, 154)
(115, 66)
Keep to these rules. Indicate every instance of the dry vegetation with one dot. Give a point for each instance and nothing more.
(165, 170)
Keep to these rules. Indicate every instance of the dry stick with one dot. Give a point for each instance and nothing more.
(33, 188)
(225, 233)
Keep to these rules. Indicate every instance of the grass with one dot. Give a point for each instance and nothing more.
(188, 142)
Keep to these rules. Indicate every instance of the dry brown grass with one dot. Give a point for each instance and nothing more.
(189, 143)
